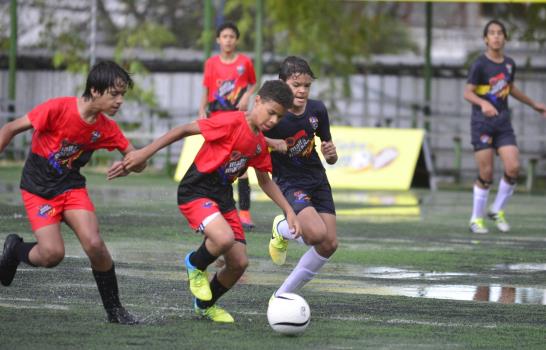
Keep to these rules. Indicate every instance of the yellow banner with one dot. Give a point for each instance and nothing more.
(190, 148)
(369, 158)
(374, 158)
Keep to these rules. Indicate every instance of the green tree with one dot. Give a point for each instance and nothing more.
(333, 35)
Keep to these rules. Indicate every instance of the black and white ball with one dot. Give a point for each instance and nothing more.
(288, 313)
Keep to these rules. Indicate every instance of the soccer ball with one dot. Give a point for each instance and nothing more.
(288, 313)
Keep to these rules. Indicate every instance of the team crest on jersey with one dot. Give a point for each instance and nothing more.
(240, 69)
(258, 149)
(95, 135)
(509, 68)
(485, 139)
(314, 122)
(46, 210)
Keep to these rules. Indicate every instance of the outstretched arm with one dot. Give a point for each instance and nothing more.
(272, 190)
(276, 145)
(9, 130)
(133, 160)
(519, 95)
(118, 170)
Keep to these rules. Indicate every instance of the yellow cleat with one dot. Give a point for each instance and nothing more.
(198, 281)
(278, 245)
(213, 313)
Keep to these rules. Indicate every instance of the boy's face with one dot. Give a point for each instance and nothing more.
(300, 85)
(495, 37)
(111, 100)
(266, 114)
(227, 40)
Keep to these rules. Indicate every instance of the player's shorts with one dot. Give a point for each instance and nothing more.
(42, 212)
(318, 197)
(200, 209)
(492, 132)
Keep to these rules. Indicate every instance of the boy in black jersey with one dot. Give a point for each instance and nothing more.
(299, 172)
(490, 82)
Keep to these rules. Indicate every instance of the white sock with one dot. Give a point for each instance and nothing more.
(479, 202)
(503, 195)
(284, 230)
(308, 266)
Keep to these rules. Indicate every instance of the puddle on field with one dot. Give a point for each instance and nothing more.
(411, 283)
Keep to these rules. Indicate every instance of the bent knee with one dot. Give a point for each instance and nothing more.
(52, 257)
(239, 265)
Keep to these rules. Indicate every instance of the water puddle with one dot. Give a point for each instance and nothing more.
(382, 280)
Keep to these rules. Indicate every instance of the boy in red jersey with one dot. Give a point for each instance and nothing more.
(228, 82)
(205, 195)
(67, 130)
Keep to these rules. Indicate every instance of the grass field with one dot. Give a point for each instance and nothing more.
(395, 283)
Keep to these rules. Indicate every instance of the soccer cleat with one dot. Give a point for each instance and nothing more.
(121, 316)
(478, 226)
(500, 220)
(213, 313)
(246, 220)
(9, 261)
(277, 245)
(198, 281)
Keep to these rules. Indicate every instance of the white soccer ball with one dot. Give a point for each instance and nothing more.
(288, 313)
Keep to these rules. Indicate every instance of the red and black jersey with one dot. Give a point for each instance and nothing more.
(62, 143)
(230, 147)
(301, 164)
(227, 82)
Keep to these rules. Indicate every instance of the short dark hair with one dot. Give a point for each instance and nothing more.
(277, 91)
(497, 22)
(104, 75)
(227, 25)
(294, 65)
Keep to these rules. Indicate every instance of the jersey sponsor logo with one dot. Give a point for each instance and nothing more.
(234, 167)
(499, 88)
(299, 145)
(485, 139)
(46, 210)
(314, 122)
(95, 136)
(68, 153)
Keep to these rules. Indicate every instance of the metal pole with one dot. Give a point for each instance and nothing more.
(207, 30)
(258, 45)
(93, 35)
(428, 65)
(12, 64)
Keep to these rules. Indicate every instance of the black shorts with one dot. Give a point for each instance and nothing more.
(492, 132)
(318, 197)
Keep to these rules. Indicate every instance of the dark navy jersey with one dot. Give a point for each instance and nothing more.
(493, 82)
(301, 164)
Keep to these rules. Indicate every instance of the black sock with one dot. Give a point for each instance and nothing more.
(244, 194)
(108, 287)
(217, 290)
(22, 250)
(201, 258)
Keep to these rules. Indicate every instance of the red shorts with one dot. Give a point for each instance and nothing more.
(42, 212)
(199, 209)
